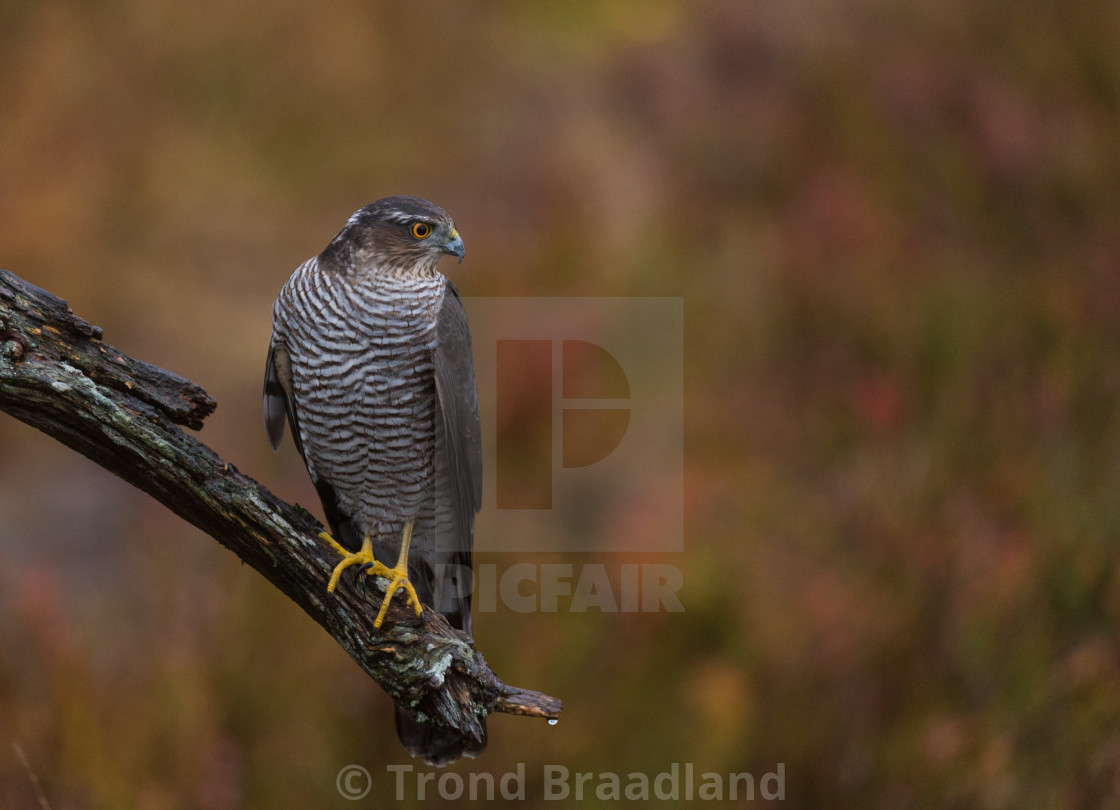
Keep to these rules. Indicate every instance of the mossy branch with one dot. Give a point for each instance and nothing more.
(56, 375)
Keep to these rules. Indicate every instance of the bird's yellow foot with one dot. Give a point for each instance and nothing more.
(397, 575)
(364, 557)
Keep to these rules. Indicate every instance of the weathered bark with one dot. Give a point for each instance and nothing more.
(57, 375)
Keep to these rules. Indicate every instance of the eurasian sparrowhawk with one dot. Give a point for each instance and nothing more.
(371, 364)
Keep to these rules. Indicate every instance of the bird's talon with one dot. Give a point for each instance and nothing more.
(364, 558)
(398, 582)
(369, 566)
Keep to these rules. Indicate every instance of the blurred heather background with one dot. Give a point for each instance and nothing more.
(896, 231)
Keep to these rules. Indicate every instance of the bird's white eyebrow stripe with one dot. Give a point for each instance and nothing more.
(403, 218)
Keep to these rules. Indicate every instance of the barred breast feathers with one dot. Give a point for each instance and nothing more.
(363, 382)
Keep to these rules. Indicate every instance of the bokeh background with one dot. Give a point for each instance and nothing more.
(896, 231)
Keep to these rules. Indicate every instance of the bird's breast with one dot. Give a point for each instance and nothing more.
(363, 380)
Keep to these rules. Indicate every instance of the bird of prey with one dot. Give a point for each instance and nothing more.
(371, 365)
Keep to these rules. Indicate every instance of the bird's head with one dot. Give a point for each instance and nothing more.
(401, 236)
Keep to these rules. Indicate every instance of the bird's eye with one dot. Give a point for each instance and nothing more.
(420, 229)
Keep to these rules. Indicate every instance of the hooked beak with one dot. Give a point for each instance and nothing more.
(454, 245)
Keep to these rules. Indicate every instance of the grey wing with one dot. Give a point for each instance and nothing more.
(277, 402)
(461, 466)
(459, 485)
(458, 401)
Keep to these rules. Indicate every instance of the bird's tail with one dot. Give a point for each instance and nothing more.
(436, 745)
(446, 589)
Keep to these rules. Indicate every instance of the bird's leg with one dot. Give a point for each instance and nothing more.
(363, 557)
(398, 578)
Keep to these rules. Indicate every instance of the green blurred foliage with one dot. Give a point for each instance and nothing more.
(896, 230)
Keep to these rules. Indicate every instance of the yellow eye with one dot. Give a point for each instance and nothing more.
(420, 229)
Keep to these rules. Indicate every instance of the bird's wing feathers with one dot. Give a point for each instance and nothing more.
(458, 399)
(461, 467)
(462, 464)
(278, 401)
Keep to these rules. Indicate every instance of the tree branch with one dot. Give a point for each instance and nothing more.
(56, 375)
